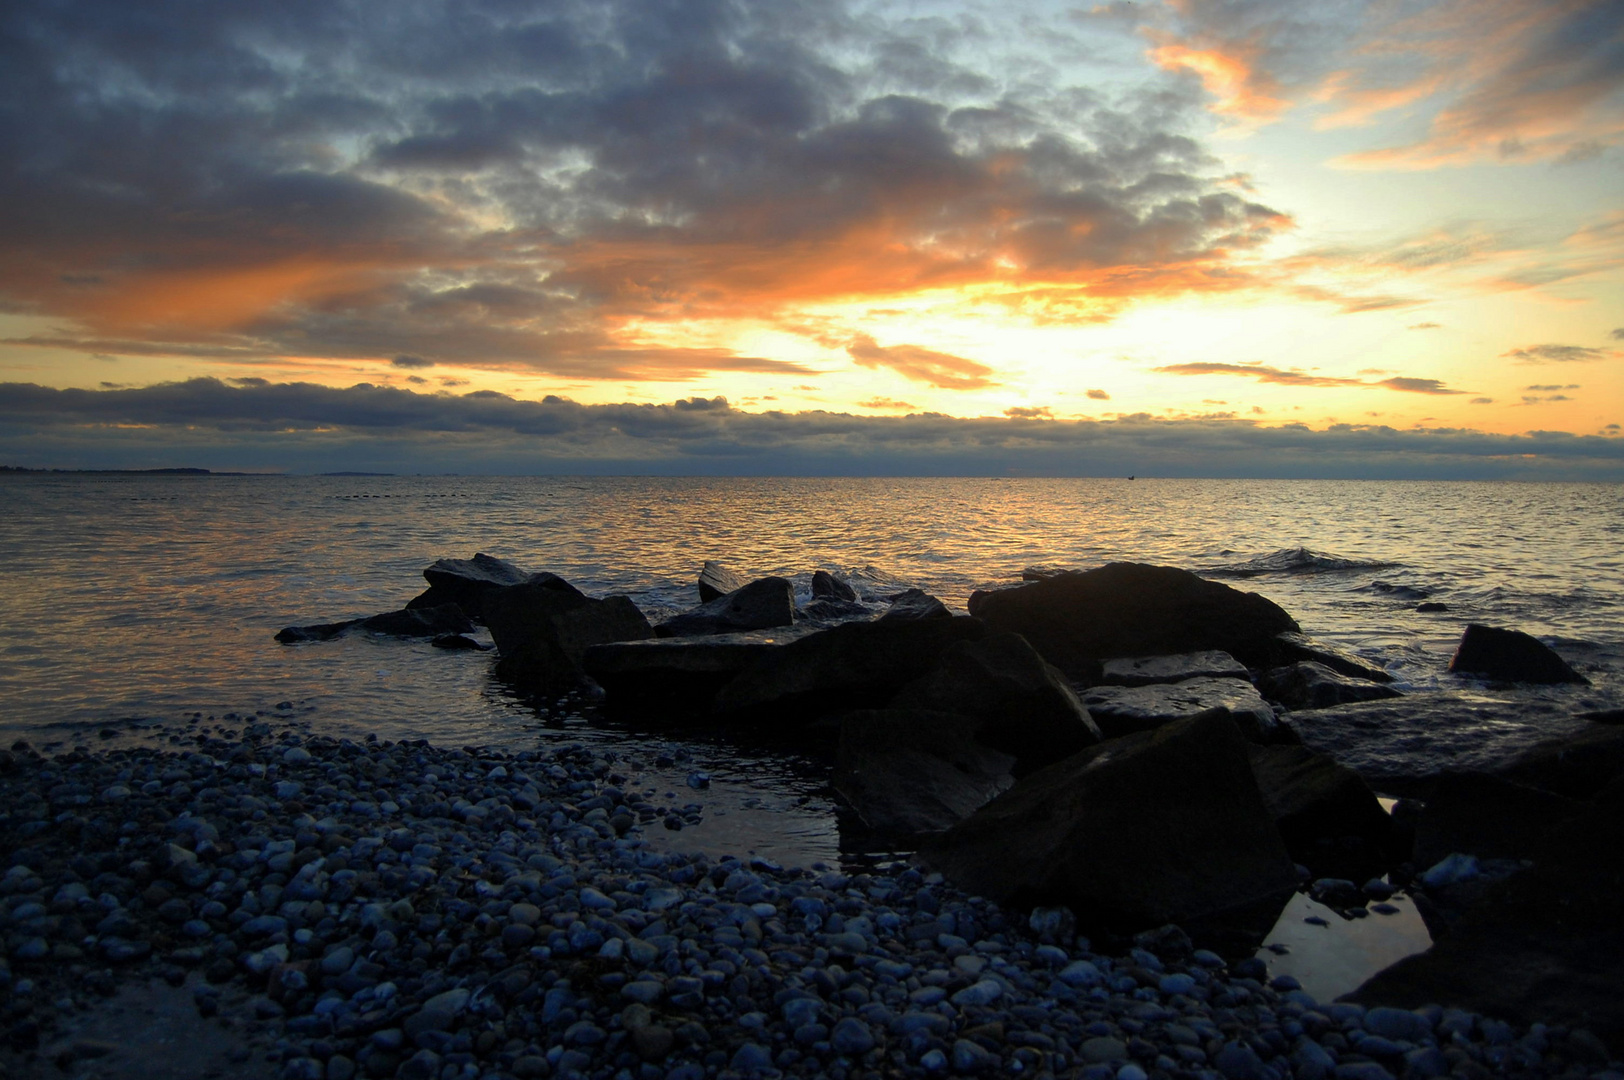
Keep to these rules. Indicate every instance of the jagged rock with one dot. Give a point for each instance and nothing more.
(678, 678)
(1122, 710)
(761, 605)
(1293, 647)
(1486, 816)
(827, 609)
(1545, 945)
(1146, 670)
(913, 605)
(1024, 706)
(1401, 745)
(825, 584)
(1509, 656)
(1312, 798)
(1152, 828)
(459, 642)
(716, 580)
(1131, 609)
(543, 631)
(299, 635)
(859, 665)
(1311, 685)
(466, 582)
(913, 771)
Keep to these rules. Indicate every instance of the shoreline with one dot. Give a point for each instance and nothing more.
(429, 912)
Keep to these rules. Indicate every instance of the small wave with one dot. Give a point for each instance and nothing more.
(1394, 591)
(1297, 560)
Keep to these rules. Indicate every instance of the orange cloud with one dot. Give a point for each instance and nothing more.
(941, 370)
(1229, 71)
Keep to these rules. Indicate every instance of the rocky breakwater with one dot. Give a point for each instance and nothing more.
(403, 910)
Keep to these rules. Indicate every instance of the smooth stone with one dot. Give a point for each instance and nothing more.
(1145, 670)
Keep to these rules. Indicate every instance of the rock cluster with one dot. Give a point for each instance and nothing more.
(403, 910)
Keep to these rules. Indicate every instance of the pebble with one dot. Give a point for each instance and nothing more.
(398, 909)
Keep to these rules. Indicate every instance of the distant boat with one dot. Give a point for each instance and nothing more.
(1130, 478)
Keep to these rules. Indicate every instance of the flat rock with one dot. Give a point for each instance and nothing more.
(915, 604)
(859, 665)
(1509, 656)
(679, 677)
(1156, 827)
(1400, 746)
(761, 605)
(1122, 710)
(1132, 609)
(1292, 646)
(1024, 705)
(1308, 684)
(466, 582)
(716, 580)
(1146, 670)
(913, 771)
(1577, 765)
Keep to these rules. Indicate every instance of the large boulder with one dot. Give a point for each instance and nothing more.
(716, 580)
(1509, 656)
(1317, 803)
(914, 604)
(518, 613)
(1024, 705)
(1402, 745)
(1122, 710)
(1577, 765)
(761, 605)
(1147, 670)
(1156, 827)
(858, 665)
(1131, 609)
(827, 585)
(664, 679)
(1487, 816)
(1310, 685)
(912, 771)
(466, 583)
(1545, 945)
(543, 631)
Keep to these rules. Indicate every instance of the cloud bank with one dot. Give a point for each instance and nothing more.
(309, 428)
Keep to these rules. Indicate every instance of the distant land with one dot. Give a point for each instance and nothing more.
(171, 472)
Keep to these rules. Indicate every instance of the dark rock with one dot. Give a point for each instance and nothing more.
(825, 584)
(1487, 816)
(859, 665)
(913, 605)
(418, 622)
(666, 678)
(1131, 609)
(1577, 766)
(761, 605)
(298, 635)
(465, 582)
(1604, 716)
(1543, 945)
(1401, 745)
(912, 771)
(1294, 647)
(1431, 607)
(549, 660)
(1308, 684)
(1509, 656)
(518, 613)
(829, 610)
(1312, 798)
(459, 642)
(716, 580)
(1122, 710)
(1152, 828)
(1145, 670)
(1044, 573)
(1024, 705)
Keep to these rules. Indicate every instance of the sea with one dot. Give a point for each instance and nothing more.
(143, 607)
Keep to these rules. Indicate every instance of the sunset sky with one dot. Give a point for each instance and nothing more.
(1202, 237)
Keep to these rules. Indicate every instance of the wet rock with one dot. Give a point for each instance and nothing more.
(1024, 705)
(1152, 828)
(1577, 766)
(830, 610)
(1401, 745)
(1509, 656)
(678, 678)
(915, 604)
(716, 580)
(1313, 798)
(1146, 670)
(852, 666)
(761, 605)
(466, 583)
(1293, 647)
(1487, 816)
(543, 633)
(914, 771)
(299, 635)
(1309, 684)
(459, 643)
(1132, 609)
(414, 622)
(1122, 710)
(827, 586)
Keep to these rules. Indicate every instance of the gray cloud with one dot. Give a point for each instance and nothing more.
(311, 428)
(1259, 372)
(1617, 334)
(1557, 354)
(411, 362)
(1418, 386)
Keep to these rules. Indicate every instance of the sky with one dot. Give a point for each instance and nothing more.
(1372, 238)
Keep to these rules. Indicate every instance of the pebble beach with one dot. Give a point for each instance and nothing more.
(378, 909)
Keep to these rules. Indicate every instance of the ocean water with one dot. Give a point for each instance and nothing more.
(130, 601)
